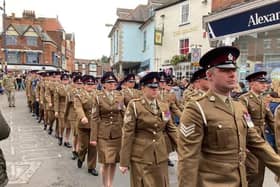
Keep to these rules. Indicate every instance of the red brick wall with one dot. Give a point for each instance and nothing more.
(219, 5)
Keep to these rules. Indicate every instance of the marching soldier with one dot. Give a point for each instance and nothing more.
(60, 96)
(83, 104)
(215, 130)
(75, 88)
(28, 90)
(200, 86)
(106, 132)
(144, 148)
(261, 116)
(129, 92)
(10, 83)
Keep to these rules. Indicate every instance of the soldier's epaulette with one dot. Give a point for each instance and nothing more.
(136, 99)
(199, 98)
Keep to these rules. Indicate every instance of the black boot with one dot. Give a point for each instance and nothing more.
(50, 131)
(74, 155)
(79, 163)
(59, 141)
(45, 127)
(93, 172)
(67, 144)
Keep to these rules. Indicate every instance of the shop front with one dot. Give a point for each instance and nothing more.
(254, 28)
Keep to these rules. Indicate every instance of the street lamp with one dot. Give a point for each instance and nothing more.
(3, 8)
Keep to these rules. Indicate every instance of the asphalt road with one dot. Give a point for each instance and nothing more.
(34, 158)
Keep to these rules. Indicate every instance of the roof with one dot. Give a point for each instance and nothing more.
(169, 3)
(123, 12)
(140, 13)
(51, 24)
(70, 36)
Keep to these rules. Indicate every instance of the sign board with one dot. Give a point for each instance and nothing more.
(260, 17)
(158, 37)
(196, 54)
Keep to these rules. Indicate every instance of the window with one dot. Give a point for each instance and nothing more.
(92, 73)
(184, 46)
(117, 42)
(31, 41)
(83, 66)
(185, 11)
(76, 67)
(13, 57)
(145, 41)
(92, 67)
(32, 58)
(54, 59)
(278, 43)
(11, 40)
(267, 43)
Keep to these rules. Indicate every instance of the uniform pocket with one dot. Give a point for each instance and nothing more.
(226, 138)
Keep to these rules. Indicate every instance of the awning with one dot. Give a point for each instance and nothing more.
(127, 65)
(236, 21)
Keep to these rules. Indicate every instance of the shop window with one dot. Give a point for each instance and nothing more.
(54, 59)
(32, 58)
(185, 11)
(184, 46)
(76, 67)
(31, 41)
(267, 43)
(92, 67)
(11, 40)
(13, 57)
(278, 43)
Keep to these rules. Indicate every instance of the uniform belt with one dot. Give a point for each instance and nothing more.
(149, 135)
(258, 122)
(232, 158)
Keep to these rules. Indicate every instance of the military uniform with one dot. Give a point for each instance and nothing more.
(215, 132)
(49, 95)
(261, 116)
(129, 94)
(28, 91)
(144, 147)
(107, 121)
(9, 83)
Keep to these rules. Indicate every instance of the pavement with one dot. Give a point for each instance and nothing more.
(34, 159)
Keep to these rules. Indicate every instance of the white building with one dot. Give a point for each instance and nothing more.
(179, 31)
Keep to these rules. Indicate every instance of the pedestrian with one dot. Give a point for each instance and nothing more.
(128, 90)
(10, 84)
(216, 131)
(144, 149)
(83, 104)
(261, 116)
(107, 120)
(4, 133)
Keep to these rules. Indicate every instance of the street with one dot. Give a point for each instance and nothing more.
(35, 159)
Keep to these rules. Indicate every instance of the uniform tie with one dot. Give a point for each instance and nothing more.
(154, 107)
(228, 103)
(110, 96)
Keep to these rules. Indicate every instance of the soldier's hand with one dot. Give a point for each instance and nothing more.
(277, 179)
(56, 114)
(84, 120)
(93, 143)
(41, 102)
(123, 169)
(37, 99)
(50, 105)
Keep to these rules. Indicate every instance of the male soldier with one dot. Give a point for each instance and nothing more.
(200, 86)
(28, 90)
(260, 116)
(83, 105)
(10, 83)
(129, 92)
(215, 130)
(60, 95)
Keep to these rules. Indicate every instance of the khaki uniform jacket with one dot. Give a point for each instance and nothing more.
(60, 95)
(9, 83)
(212, 144)
(143, 138)
(42, 99)
(70, 112)
(107, 117)
(28, 87)
(83, 103)
(130, 94)
(170, 98)
(260, 115)
(49, 94)
(277, 127)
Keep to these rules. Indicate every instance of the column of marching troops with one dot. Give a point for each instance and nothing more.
(220, 140)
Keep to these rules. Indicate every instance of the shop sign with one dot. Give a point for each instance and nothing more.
(251, 20)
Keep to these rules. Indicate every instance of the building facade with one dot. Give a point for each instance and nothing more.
(179, 36)
(252, 26)
(30, 43)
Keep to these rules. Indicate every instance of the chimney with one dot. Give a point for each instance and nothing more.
(28, 14)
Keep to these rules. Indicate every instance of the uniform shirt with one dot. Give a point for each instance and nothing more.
(212, 144)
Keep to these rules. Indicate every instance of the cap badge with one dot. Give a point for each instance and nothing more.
(230, 57)
(212, 98)
(110, 77)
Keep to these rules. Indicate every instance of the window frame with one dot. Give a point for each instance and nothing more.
(33, 41)
(182, 22)
(184, 47)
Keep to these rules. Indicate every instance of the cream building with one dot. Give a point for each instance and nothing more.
(179, 30)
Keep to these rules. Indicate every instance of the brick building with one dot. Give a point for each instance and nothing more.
(36, 43)
(91, 67)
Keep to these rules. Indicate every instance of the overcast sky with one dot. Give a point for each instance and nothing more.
(85, 18)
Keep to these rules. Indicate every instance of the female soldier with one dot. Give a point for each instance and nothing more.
(83, 106)
(106, 131)
(144, 148)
